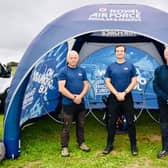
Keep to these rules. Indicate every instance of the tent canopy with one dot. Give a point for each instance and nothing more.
(51, 42)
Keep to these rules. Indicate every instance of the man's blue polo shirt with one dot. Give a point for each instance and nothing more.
(120, 74)
(74, 78)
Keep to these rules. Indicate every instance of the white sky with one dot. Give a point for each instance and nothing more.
(22, 20)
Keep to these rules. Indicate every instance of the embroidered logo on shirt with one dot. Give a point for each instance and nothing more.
(80, 74)
(126, 68)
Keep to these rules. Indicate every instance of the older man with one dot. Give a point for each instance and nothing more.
(73, 85)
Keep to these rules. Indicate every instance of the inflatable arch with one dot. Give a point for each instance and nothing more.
(37, 71)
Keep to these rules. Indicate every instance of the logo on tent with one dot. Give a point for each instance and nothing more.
(123, 15)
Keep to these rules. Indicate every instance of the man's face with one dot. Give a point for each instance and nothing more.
(73, 59)
(166, 54)
(120, 52)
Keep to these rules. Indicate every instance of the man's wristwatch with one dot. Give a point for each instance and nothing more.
(74, 97)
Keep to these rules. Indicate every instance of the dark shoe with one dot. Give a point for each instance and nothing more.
(65, 152)
(134, 150)
(107, 150)
(162, 154)
(84, 147)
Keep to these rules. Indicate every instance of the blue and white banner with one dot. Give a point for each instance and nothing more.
(41, 95)
(96, 64)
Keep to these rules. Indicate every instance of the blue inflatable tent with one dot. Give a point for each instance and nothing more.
(35, 81)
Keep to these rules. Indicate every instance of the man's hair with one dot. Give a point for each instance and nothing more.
(120, 45)
(68, 54)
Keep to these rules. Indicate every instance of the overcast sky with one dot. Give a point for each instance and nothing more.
(22, 20)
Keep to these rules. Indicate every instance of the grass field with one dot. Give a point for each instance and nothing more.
(40, 147)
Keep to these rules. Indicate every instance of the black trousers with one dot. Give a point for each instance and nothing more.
(77, 113)
(114, 107)
(164, 124)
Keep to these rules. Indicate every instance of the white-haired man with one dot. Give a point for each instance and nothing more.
(73, 85)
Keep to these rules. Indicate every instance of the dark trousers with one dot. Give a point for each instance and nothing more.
(77, 113)
(114, 107)
(164, 124)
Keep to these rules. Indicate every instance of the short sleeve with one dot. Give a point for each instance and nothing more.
(62, 74)
(134, 71)
(107, 73)
(84, 75)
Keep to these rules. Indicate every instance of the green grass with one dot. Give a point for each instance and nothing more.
(40, 147)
